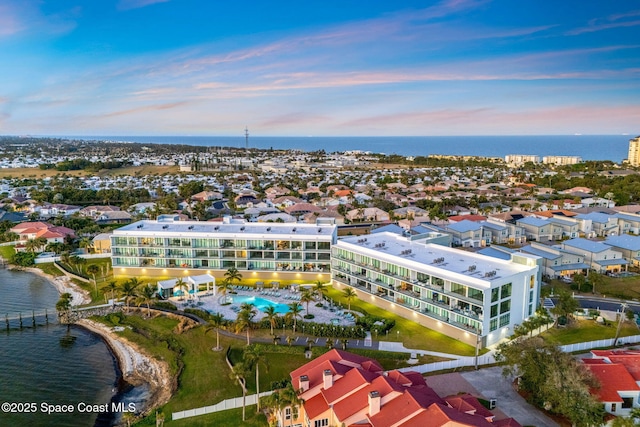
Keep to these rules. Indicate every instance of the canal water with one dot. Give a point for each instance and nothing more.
(46, 367)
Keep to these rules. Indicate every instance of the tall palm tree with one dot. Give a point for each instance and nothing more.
(306, 297)
(290, 398)
(271, 315)
(244, 320)
(294, 313)
(93, 269)
(146, 295)
(349, 294)
(232, 275)
(111, 287)
(253, 356)
(238, 372)
(180, 284)
(320, 288)
(128, 290)
(215, 322)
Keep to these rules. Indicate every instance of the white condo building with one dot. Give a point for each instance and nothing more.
(561, 160)
(634, 151)
(169, 248)
(521, 159)
(462, 294)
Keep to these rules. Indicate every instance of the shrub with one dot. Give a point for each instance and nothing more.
(166, 305)
(309, 316)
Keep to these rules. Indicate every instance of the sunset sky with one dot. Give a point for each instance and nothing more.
(297, 68)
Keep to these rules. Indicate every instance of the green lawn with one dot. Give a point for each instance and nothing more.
(587, 330)
(411, 334)
(7, 252)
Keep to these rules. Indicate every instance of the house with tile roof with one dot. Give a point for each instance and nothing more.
(540, 230)
(618, 372)
(340, 388)
(598, 224)
(33, 230)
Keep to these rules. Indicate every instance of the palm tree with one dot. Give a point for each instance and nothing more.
(245, 316)
(349, 294)
(290, 397)
(238, 372)
(294, 313)
(93, 269)
(180, 284)
(215, 322)
(232, 275)
(145, 296)
(320, 288)
(111, 287)
(306, 298)
(224, 286)
(128, 290)
(271, 315)
(253, 356)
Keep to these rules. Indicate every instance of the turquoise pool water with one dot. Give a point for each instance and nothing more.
(261, 303)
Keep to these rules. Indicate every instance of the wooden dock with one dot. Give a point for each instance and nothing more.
(31, 318)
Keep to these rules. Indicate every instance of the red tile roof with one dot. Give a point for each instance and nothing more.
(458, 218)
(612, 378)
(315, 406)
(468, 403)
(440, 415)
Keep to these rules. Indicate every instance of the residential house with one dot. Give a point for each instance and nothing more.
(34, 230)
(299, 210)
(628, 245)
(48, 210)
(628, 223)
(469, 234)
(340, 388)
(95, 211)
(564, 228)
(537, 229)
(504, 232)
(204, 196)
(618, 372)
(102, 243)
(367, 214)
(556, 262)
(598, 224)
(114, 217)
(286, 201)
(601, 257)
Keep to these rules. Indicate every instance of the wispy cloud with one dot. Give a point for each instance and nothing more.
(26, 16)
(155, 107)
(137, 4)
(611, 21)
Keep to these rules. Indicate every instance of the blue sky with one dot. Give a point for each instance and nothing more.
(297, 68)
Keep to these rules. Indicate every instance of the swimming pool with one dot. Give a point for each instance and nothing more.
(260, 303)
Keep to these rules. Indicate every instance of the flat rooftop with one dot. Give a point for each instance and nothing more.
(431, 257)
(237, 228)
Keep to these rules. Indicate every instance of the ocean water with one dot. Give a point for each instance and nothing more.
(50, 364)
(589, 147)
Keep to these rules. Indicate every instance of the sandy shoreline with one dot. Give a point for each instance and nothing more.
(63, 284)
(137, 366)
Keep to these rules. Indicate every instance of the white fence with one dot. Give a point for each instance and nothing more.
(585, 346)
(232, 403)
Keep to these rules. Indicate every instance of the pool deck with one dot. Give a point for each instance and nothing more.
(215, 304)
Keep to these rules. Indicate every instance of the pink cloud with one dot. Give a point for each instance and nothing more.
(157, 107)
(137, 4)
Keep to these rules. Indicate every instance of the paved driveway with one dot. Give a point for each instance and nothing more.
(491, 384)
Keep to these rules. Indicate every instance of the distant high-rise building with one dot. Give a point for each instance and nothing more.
(634, 151)
(521, 159)
(561, 160)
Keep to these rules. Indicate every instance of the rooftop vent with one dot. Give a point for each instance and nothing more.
(164, 227)
(242, 228)
(216, 228)
(268, 228)
(294, 230)
(190, 227)
(472, 268)
(490, 274)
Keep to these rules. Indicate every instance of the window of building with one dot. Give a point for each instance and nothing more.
(505, 306)
(495, 294)
(287, 413)
(321, 423)
(613, 407)
(504, 319)
(505, 291)
(493, 324)
(476, 294)
(627, 402)
(494, 310)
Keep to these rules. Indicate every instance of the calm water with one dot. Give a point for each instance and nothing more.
(589, 147)
(44, 365)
